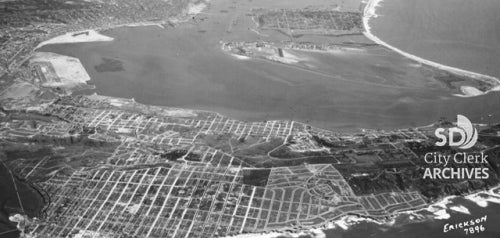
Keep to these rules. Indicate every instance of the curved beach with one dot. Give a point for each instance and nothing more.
(370, 12)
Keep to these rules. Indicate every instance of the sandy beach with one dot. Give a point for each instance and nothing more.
(370, 12)
(469, 91)
(76, 37)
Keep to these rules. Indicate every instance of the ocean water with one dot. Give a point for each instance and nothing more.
(458, 33)
(428, 227)
(185, 67)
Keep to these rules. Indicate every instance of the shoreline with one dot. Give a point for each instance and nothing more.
(185, 17)
(439, 210)
(94, 34)
(370, 12)
(348, 220)
(83, 36)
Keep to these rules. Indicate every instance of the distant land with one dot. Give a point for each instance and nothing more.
(221, 118)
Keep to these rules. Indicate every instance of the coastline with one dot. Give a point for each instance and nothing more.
(76, 37)
(439, 210)
(469, 91)
(370, 12)
(345, 222)
(94, 34)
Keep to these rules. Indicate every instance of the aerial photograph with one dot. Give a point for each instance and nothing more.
(249, 118)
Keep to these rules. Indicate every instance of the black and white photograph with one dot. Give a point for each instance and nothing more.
(249, 118)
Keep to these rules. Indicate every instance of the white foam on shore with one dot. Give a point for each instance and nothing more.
(20, 220)
(439, 209)
(370, 12)
(347, 221)
(441, 214)
(76, 37)
(484, 199)
(478, 200)
(313, 233)
(460, 209)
